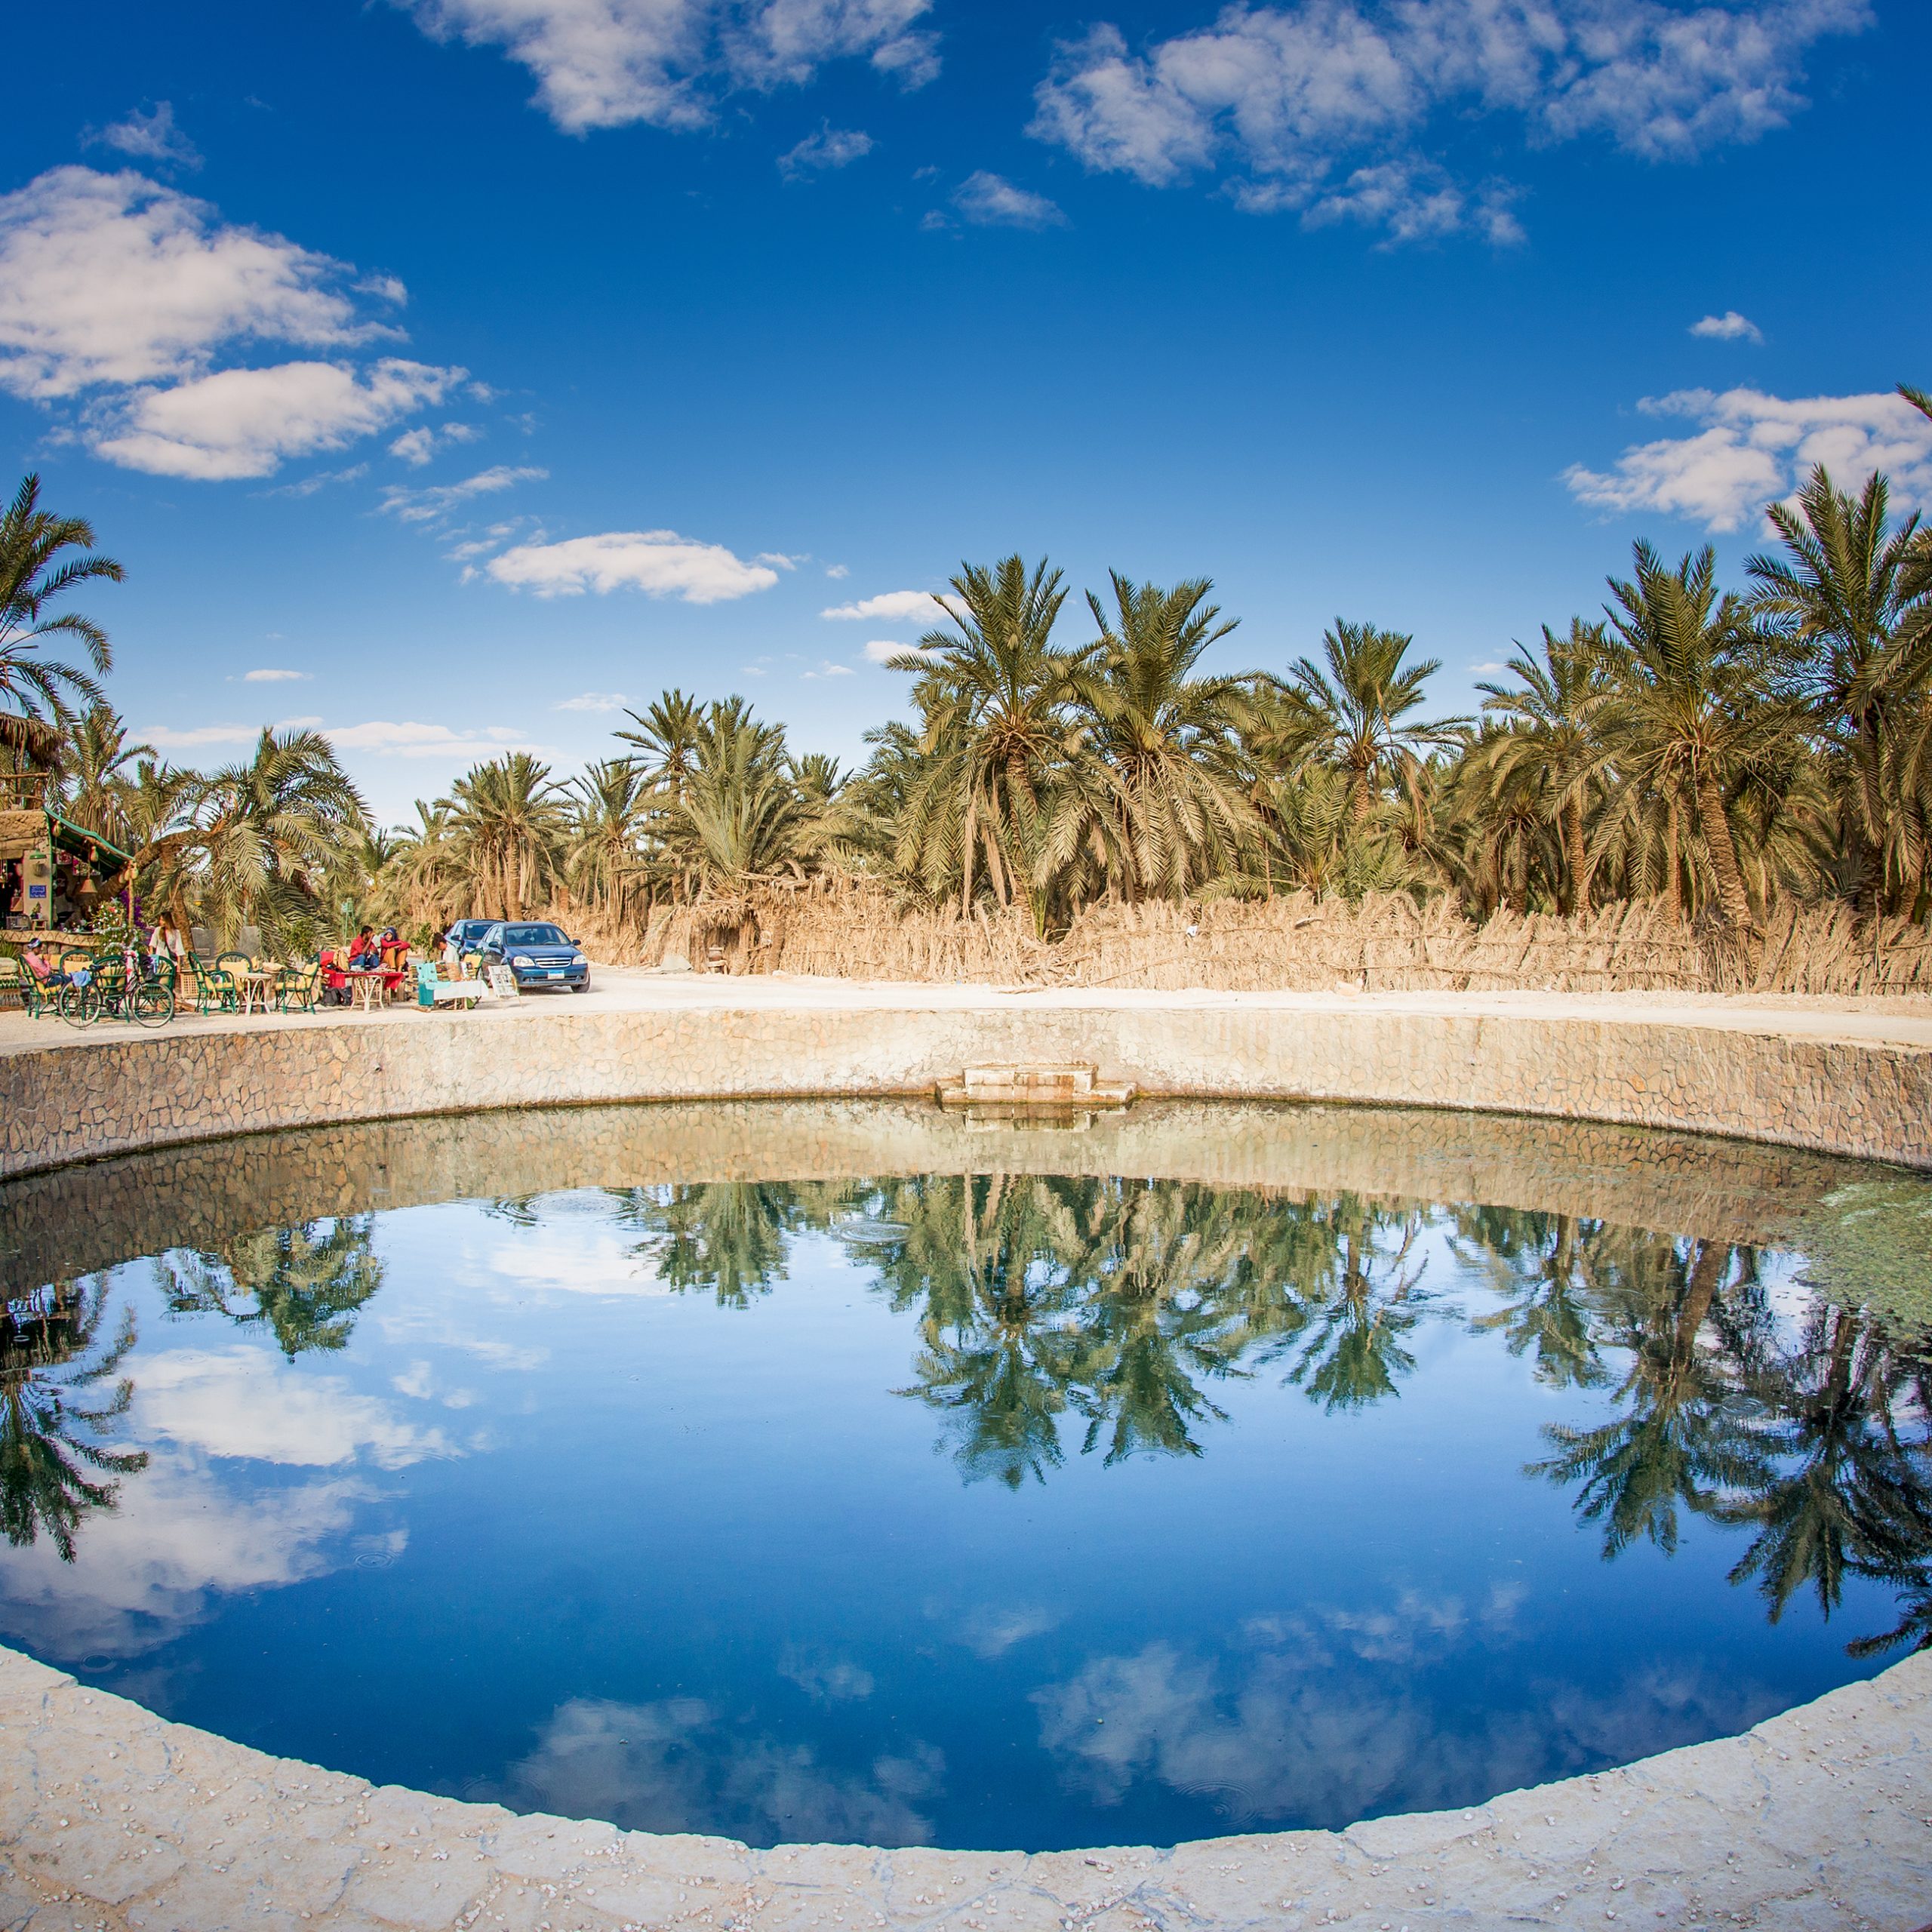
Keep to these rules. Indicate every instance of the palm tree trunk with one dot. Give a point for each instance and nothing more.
(1578, 858)
(1673, 876)
(966, 858)
(1732, 900)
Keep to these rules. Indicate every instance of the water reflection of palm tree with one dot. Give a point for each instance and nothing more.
(1845, 1491)
(727, 1236)
(1001, 1344)
(1361, 1294)
(304, 1283)
(1533, 1261)
(1677, 1438)
(51, 1348)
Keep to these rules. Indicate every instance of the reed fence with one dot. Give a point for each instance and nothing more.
(1386, 943)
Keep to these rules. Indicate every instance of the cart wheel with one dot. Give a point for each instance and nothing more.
(154, 1006)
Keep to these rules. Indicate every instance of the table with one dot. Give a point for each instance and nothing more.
(256, 982)
(366, 984)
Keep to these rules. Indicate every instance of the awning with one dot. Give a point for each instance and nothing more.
(100, 856)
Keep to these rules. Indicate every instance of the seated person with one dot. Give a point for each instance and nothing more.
(335, 988)
(39, 965)
(395, 959)
(365, 954)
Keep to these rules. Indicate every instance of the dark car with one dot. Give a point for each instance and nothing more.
(539, 955)
(468, 933)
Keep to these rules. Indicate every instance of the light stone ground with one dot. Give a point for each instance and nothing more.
(113, 1820)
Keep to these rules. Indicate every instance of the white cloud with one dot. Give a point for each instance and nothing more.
(309, 485)
(1730, 327)
(604, 64)
(424, 505)
(149, 137)
(416, 447)
(837, 571)
(831, 147)
(239, 1402)
(271, 676)
(827, 669)
(110, 279)
(599, 701)
(883, 650)
(1411, 203)
(244, 421)
(164, 740)
(658, 562)
(409, 738)
(908, 606)
(1294, 100)
(126, 293)
(1753, 448)
(990, 201)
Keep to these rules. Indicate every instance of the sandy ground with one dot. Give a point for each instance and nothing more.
(1903, 1022)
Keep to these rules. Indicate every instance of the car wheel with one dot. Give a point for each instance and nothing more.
(584, 988)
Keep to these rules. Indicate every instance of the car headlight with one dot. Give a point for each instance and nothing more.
(521, 959)
(578, 959)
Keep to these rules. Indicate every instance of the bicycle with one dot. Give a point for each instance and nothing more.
(109, 993)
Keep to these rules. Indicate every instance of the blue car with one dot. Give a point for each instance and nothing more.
(539, 955)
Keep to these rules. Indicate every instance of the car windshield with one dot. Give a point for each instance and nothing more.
(534, 935)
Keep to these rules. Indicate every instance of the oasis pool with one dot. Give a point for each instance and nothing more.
(854, 1471)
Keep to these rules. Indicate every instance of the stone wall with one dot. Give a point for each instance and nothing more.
(75, 1219)
(83, 1100)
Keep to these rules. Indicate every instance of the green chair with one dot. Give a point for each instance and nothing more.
(215, 991)
(297, 988)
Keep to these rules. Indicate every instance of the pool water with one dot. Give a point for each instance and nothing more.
(981, 1506)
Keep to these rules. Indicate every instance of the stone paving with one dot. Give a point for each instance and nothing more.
(114, 1820)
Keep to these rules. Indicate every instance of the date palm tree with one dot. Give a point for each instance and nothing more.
(1358, 700)
(665, 742)
(1847, 583)
(509, 822)
(97, 770)
(1554, 744)
(605, 869)
(1168, 809)
(1697, 709)
(998, 732)
(37, 693)
(254, 842)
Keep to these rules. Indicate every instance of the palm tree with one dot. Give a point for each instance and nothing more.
(1846, 584)
(37, 692)
(999, 734)
(1696, 707)
(1170, 811)
(605, 869)
(253, 843)
(509, 824)
(1355, 709)
(665, 740)
(1535, 1261)
(93, 772)
(741, 820)
(1555, 745)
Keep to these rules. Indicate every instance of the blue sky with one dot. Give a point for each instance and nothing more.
(474, 363)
